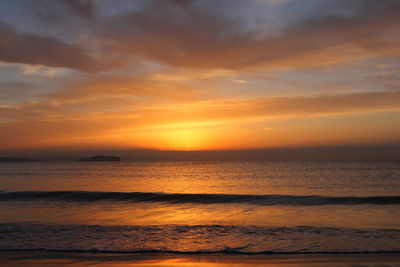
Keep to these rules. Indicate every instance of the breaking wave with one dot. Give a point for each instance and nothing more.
(196, 239)
(264, 200)
(227, 250)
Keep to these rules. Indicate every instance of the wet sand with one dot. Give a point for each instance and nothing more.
(43, 258)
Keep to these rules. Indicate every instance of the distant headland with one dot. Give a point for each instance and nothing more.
(101, 158)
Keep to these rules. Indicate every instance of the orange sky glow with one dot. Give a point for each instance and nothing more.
(199, 75)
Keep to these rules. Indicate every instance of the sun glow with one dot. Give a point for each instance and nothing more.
(187, 139)
(181, 136)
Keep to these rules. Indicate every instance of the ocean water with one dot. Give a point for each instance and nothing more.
(201, 207)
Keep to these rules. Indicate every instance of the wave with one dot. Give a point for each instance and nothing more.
(222, 251)
(264, 200)
(192, 239)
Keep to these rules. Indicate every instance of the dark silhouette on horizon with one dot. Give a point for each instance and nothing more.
(101, 158)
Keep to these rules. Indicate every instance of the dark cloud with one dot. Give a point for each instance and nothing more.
(199, 37)
(18, 47)
(201, 34)
(68, 13)
(82, 7)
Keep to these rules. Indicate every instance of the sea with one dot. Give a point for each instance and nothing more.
(246, 207)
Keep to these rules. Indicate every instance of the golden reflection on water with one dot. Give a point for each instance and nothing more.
(292, 178)
(43, 259)
(260, 178)
(211, 214)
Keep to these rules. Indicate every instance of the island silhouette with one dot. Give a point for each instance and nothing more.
(101, 158)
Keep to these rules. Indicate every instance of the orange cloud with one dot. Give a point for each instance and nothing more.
(155, 126)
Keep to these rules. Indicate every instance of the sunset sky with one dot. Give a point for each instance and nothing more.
(198, 75)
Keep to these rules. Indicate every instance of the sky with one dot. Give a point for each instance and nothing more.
(198, 74)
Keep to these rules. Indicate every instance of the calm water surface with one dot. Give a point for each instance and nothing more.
(239, 207)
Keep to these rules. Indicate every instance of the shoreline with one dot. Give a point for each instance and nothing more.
(75, 259)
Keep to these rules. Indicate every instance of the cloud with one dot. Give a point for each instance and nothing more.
(200, 34)
(10, 91)
(197, 37)
(200, 111)
(279, 107)
(18, 47)
(155, 64)
(82, 7)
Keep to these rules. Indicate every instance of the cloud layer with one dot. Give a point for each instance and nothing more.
(197, 34)
(146, 73)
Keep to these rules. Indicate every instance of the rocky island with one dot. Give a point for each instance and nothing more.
(101, 158)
